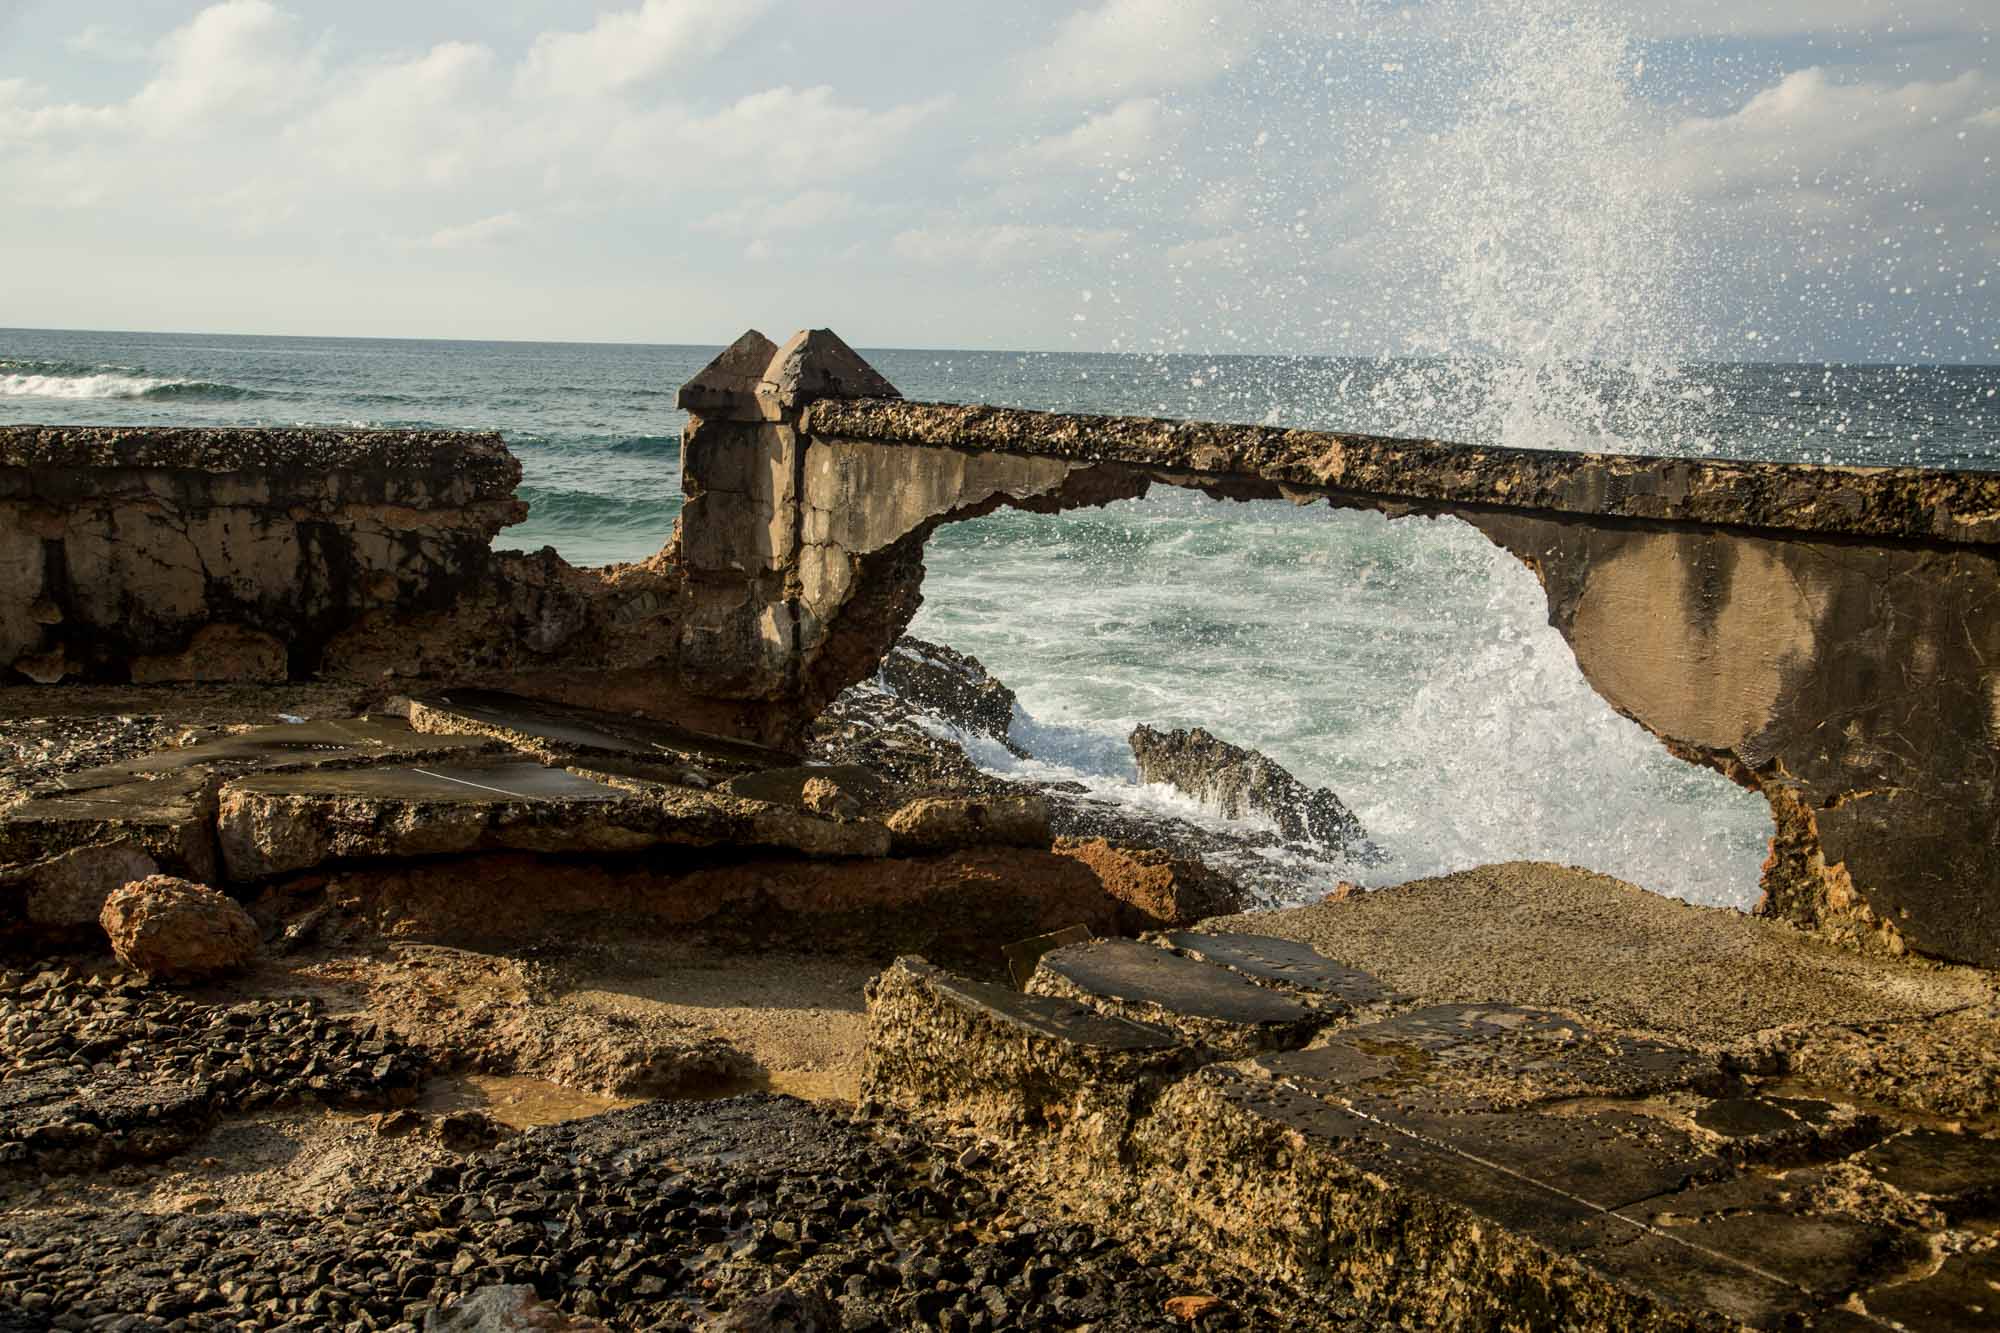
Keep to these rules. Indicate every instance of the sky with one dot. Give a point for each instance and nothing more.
(1761, 179)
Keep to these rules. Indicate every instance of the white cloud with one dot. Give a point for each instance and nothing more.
(1126, 47)
(424, 121)
(762, 217)
(630, 46)
(106, 42)
(1847, 147)
(786, 134)
(1136, 127)
(474, 235)
(996, 244)
(238, 59)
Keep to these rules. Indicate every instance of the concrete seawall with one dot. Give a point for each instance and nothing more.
(1827, 636)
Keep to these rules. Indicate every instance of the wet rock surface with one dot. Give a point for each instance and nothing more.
(663, 1216)
(1239, 783)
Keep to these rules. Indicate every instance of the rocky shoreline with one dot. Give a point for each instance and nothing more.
(502, 945)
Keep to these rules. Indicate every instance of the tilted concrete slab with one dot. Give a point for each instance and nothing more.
(612, 742)
(1207, 1005)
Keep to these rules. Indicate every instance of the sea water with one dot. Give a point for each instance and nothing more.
(1408, 665)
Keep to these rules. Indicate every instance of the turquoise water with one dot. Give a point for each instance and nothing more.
(1408, 665)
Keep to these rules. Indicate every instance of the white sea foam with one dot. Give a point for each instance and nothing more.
(104, 384)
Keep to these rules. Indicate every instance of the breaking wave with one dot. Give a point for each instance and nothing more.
(43, 380)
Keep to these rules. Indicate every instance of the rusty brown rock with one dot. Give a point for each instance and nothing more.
(1161, 889)
(173, 929)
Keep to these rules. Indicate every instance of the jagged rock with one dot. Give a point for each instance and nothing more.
(949, 684)
(173, 929)
(1237, 782)
(507, 1310)
(941, 823)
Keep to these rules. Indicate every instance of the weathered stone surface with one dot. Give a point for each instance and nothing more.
(61, 895)
(610, 742)
(999, 1054)
(281, 823)
(815, 364)
(728, 384)
(938, 823)
(1237, 783)
(1209, 1006)
(1754, 991)
(217, 653)
(190, 554)
(1285, 963)
(174, 930)
(169, 817)
(1894, 503)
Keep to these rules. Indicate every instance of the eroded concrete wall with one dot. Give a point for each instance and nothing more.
(160, 555)
(1827, 636)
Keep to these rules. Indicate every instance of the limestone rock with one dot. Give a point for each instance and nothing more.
(1237, 782)
(951, 685)
(1161, 889)
(940, 823)
(506, 1310)
(174, 929)
(824, 797)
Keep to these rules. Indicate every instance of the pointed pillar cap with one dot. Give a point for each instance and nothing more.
(817, 364)
(727, 386)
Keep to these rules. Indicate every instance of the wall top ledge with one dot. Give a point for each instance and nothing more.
(476, 461)
(1872, 503)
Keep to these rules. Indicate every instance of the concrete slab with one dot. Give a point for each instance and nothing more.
(1284, 963)
(279, 823)
(637, 746)
(1208, 1005)
(1561, 938)
(286, 746)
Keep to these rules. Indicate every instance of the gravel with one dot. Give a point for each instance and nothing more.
(97, 1068)
(663, 1216)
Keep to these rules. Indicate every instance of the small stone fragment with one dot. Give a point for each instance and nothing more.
(1193, 1309)
(173, 929)
(506, 1310)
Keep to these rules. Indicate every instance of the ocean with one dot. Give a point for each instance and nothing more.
(1408, 665)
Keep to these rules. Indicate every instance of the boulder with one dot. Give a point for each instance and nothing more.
(1236, 782)
(173, 929)
(942, 823)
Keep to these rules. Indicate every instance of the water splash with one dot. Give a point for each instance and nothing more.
(1548, 256)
